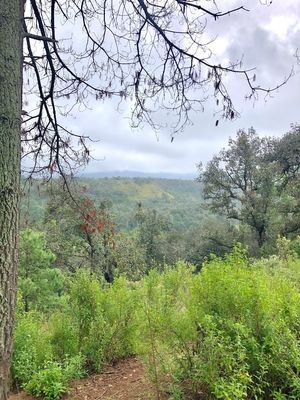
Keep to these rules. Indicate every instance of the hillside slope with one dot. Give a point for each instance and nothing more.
(179, 200)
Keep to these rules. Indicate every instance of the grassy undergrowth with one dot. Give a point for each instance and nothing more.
(229, 332)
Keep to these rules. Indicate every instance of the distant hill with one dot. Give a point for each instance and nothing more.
(178, 199)
(137, 174)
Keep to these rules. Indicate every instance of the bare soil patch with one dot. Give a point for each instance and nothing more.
(126, 380)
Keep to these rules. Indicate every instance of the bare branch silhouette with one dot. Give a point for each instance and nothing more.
(153, 54)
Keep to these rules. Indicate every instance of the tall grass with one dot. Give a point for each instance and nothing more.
(229, 332)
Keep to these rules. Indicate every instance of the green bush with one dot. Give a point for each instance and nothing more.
(86, 312)
(51, 382)
(104, 316)
(32, 347)
(230, 332)
(119, 304)
(48, 382)
(40, 284)
(164, 329)
(64, 336)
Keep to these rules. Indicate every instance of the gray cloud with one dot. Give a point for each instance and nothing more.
(266, 37)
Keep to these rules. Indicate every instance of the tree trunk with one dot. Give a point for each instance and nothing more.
(11, 12)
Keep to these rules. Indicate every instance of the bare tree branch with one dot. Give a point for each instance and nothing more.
(152, 54)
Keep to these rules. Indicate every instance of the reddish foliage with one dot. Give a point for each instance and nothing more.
(97, 221)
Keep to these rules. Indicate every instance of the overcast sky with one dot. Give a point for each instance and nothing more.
(267, 38)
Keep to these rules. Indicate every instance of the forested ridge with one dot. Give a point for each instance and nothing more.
(179, 199)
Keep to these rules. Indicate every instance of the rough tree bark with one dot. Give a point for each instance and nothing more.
(10, 138)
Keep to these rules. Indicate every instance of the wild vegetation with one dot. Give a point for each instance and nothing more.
(248, 192)
(229, 332)
(56, 56)
(211, 306)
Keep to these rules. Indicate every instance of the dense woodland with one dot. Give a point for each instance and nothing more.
(198, 279)
(247, 193)
(201, 279)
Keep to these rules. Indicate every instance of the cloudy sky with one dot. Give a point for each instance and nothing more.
(267, 38)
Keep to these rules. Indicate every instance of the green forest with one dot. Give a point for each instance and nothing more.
(135, 287)
(199, 279)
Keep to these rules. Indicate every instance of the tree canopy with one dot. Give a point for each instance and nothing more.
(255, 182)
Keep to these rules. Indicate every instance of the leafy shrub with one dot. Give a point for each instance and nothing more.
(40, 284)
(36, 345)
(85, 294)
(119, 305)
(163, 321)
(48, 382)
(31, 347)
(230, 332)
(86, 311)
(64, 336)
(51, 381)
(104, 316)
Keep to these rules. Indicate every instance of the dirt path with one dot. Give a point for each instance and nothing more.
(127, 380)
